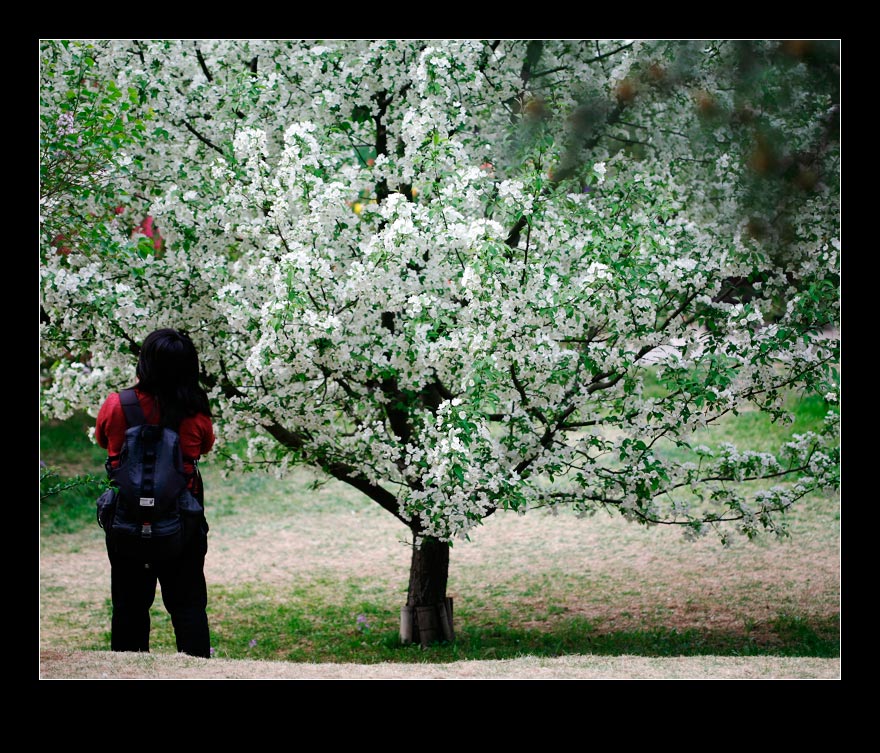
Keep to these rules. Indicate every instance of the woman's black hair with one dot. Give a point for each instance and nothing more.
(168, 369)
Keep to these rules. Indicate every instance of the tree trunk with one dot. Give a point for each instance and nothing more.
(427, 616)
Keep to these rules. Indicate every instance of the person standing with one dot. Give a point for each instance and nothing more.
(169, 395)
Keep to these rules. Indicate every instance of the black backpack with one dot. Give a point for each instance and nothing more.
(149, 514)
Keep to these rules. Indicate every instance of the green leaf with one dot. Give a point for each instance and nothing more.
(361, 114)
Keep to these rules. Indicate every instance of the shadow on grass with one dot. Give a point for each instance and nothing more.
(363, 634)
(784, 636)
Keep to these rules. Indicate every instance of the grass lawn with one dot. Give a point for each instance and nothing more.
(304, 573)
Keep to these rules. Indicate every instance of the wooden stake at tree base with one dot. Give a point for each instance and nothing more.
(406, 625)
(427, 624)
(444, 611)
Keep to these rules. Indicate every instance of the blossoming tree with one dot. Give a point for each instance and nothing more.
(444, 272)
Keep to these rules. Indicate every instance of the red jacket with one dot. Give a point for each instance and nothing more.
(196, 432)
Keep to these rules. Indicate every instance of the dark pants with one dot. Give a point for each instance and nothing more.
(184, 593)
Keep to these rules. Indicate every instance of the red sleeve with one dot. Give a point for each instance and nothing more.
(196, 435)
(110, 425)
(208, 438)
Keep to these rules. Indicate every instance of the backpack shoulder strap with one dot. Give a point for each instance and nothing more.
(134, 414)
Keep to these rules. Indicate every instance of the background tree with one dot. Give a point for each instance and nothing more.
(464, 276)
(87, 127)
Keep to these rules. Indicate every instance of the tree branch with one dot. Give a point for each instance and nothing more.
(201, 138)
(203, 65)
(522, 394)
(608, 54)
(382, 100)
(339, 470)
